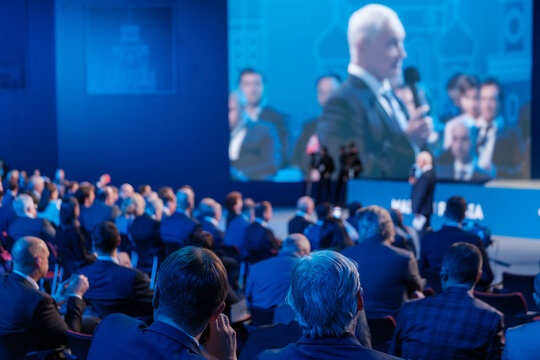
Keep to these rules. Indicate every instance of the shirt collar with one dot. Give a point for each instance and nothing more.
(261, 221)
(302, 214)
(211, 220)
(108, 258)
(28, 278)
(372, 82)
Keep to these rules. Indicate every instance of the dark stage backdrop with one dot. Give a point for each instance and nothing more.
(174, 137)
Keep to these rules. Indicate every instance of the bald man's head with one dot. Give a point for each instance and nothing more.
(31, 257)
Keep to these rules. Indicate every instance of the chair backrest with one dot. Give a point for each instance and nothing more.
(79, 343)
(523, 284)
(382, 331)
(261, 316)
(512, 305)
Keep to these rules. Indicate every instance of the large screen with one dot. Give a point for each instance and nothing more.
(309, 82)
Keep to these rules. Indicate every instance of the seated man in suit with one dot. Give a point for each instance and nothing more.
(453, 324)
(115, 288)
(26, 223)
(522, 341)
(36, 185)
(236, 231)
(302, 218)
(29, 314)
(268, 281)
(364, 109)
(260, 241)
(326, 296)
(177, 228)
(254, 148)
(389, 274)
(313, 231)
(190, 295)
(434, 244)
(209, 217)
(457, 163)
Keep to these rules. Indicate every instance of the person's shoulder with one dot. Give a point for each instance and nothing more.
(401, 253)
(488, 310)
(527, 330)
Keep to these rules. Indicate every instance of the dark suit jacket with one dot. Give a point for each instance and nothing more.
(236, 234)
(34, 315)
(6, 215)
(345, 347)
(279, 121)
(387, 273)
(313, 233)
(299, 157)
(146, 235)
(24, 226)
(422, 194)
(445, 169)
(452, 325)
(354, 114)
(260, 153)
(217, 235)
(177, 228)
(260, 242)
(114, 288)
(95, 214)
(121, 337)
(432, 248)
(298, 224)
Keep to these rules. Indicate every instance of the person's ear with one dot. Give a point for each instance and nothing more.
(218, 311)
(360, 301)
(155, 299)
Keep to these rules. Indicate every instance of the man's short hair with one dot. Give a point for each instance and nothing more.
(209, 207)
(83, 192)
(323, 210)
(465, 83)
(153, 204)
(353, 207)
(34, 180)
(331, 75)
(247, 71)
(334, 235)
(232, 198)
(184, 198)
(304, 204)
(105, 237)
(375, 223)
(21, 204)
(295, 243)
(192, 284)
(261, 208)
(323, 293)
(366, 24)
(247, 206)
(496, 83)
(462, 262)
(456, 207)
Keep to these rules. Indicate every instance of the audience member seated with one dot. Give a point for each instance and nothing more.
(86, 196)
(389, 274)
(326, 296)
(236, 230)
(190, 293)
(11, 188)
(353, 207)
(522, 341)
(233, 205)
(167, 195)
(268, 281)
(405, 237)
(454, 324)
(31, 315)
(209, 217)
(125, 191)
(35, 187)
(115, 288)
(49, 204)
(71, 243)
(177, 228)
(6, 214)
(302, 218)
(313, 231)
(433, 245)
(26, 223)
(260, 241)
(144, 230)
(334, 235)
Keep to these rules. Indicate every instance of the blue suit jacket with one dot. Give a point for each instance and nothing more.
(452, 325)
(121, 337)
(344, 347)
(177, 228)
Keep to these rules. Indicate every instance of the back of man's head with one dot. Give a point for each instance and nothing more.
(262, 208)
(191, 286)
(24, 252)
(84, 192)
(23, 205)
(324, 293)
(305, 204)
(323, 210)
(36, 182)
(184, 199)
(247, 207)
(105, 237)
(456, 207)
(353, 207)
(375, 223)
(461, 265)
(295, 244)
(233, 201)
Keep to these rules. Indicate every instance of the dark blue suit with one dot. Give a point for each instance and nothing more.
(345, 347)
(114, 288)
(146, 235)
(95, 214)
(177, 228)
(260, 242)
(24, 226)
(236, 233)
(452, 325)
(216, 233)
(121, 337)
(432, 248)
(298, 224)
(422, 194)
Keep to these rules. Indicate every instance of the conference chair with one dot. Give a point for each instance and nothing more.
(523, 284)
(382, 331)
(512, 305)
(79, 344)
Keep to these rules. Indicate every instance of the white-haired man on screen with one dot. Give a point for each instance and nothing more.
(365, 110)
